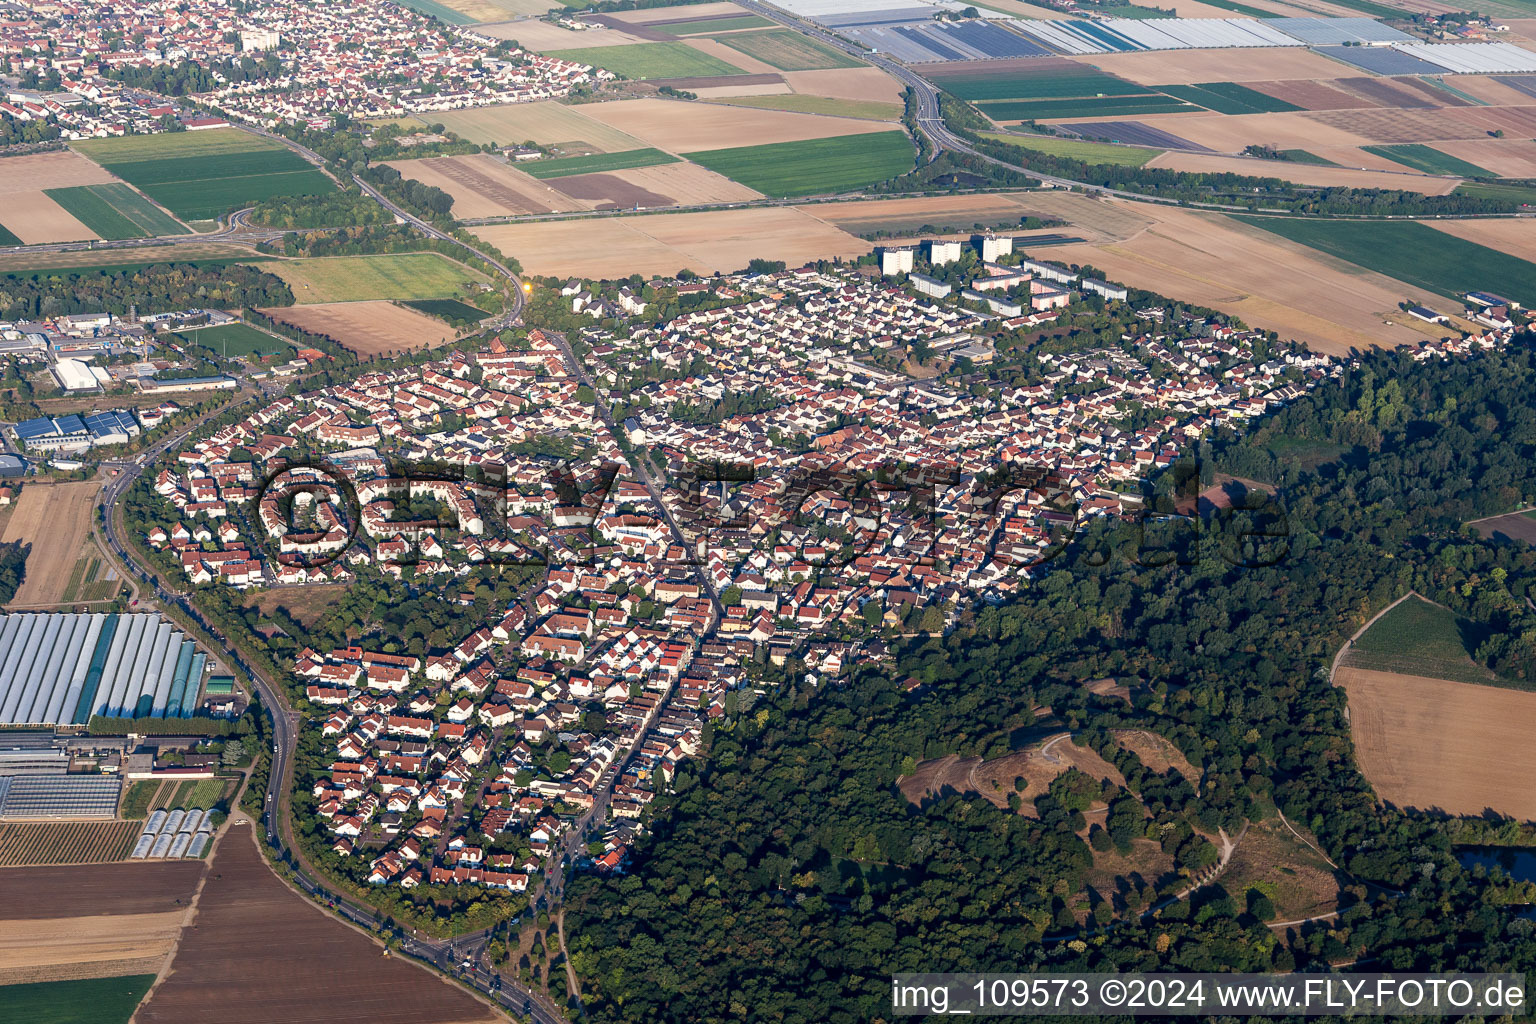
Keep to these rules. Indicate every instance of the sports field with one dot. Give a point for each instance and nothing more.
(1429, 160)
(87, 1001)
(1077, 149)
(203, 175)
(651, 60)
(1092, 106)
(236, 340)
(1413, 253)
(815, 165)
(116, 211)
(787, 50)
(411, 275)
(598, 162)
(1229, 98)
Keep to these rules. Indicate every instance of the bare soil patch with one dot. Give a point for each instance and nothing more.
(1303, 174)
(260, 953)
(1157, 753)
(82, 969)
(869, 84)
(1396, 94)
(1312, 95)
(483, 186)
(667, 125)
(43, 942)
(54, 519)
(686, 12)
(1269, 282)
(129, 887)
(610, 192)
(734, 57)
(62, 169)
(994, 780)
(1515, 526)
(374, 327)
(1384, 125)
(546, 122)
(718, 92)
(1232, 133)
(1509, 158)
(724, 240)
(684, 183)
(1189, 67)
(1010, 66)
(36, 219)
(698, 82)
(1433, 744)
(541, 36)
(308, 604)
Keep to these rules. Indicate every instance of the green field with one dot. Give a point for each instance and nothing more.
(709, 26)
(813, 166)
(788, 50)
(1233, 5)
(1106, 106)
(1498, 190)
(236, 340)
(869, 110)
(1039, 87)
(89, 1001)
(1301, 156)
(6, 238)
(1429, 160)
(88, 581)
(1228, 98)
(1422, 639)
(1076, 149)
(1413, 253)
(202, 175)
(438, 11)
(597, 162)
(452, 310)
(411, 275)
(116, 211)
(651, 60)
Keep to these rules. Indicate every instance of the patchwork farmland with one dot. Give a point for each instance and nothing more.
(814, 166)
(200, 176)
(116, 211)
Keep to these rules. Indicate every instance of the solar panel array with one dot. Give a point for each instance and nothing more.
(59, 796)
(59, 669)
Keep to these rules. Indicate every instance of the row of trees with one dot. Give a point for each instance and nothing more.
(161, 288)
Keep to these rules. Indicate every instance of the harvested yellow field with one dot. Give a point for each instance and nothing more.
(749, 64)
(499, 10)
(1232, 133)
(1516, 237)
(370, 328)
(483, 186)
(724, 240)
(62, 169)
(54, 519)
(690, 12)
(546, 122)
(41, 942)
(541, 36)
(1189, 67)
(1303, 174)
(108, 257)
(34, 218)
(686, 183)
(669, 125)
(1508, 158)
(1493, 91)
(1433, 744)
(715, 92)
(870, 84)
(1269, 282)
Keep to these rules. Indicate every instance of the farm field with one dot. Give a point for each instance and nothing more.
(369, 328)
(250, 929)
(910, 216)
(651, 60)
(6, 238)
(1514, 526)
(787, 50)
(116, 211)
(1303, 173)
(439, 11)
(1428, 160)
(202, 175)
(451, 310)
(1414, 253)
(483, 186)
(1509, 157)
(32, 218)
(869, 85)
(127, 888)
(1436, 744)
(65, 842)
(1421, 638)
(867, 109)
(543, 37)
(710, 26)
(723, 240)
(680, 13)
(1508, 235)
(411, 275)
(1087, 82)
(1190, 67)
(1107, 106)
(54, 519)
(813, 166)
(92, 579)
(237, 340)
(1229, 98)
(599, 162)
(82, 1001)
(662, 124)
(61, 169)
(1077, 149)
(1272, 283)
(676, 183)
(546, 122)
(1516, 193)
(123, 259)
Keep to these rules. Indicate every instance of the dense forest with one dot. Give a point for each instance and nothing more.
(158, 289)
(335, 210)
(786, 877)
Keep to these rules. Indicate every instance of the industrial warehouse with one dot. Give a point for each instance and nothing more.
(74, 433)
(60, 669)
